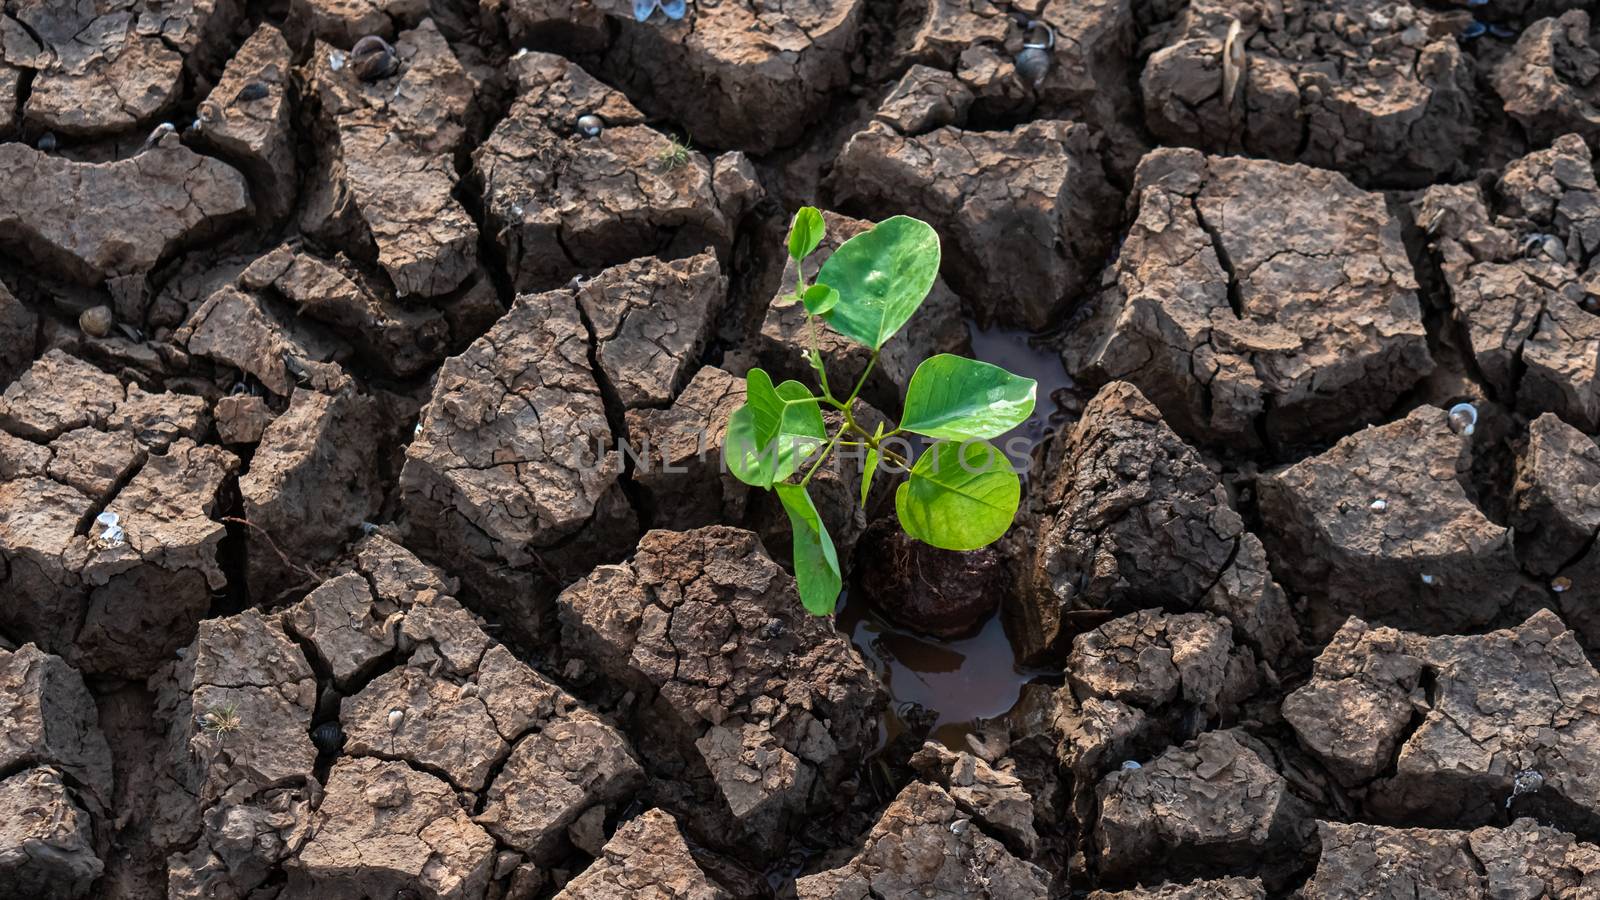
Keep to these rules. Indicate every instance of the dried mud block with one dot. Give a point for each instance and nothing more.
(650, 319)
(108, 67)
(51, 720)
(511, 475)
(925, 845)
(1512, 261)
(785, 339)
(401, 339)
(10, 98)
(678, 452)
(1380, 91)
(1221, 889)
(89, 222)
(1142, 682)
(1027, 216)
(1555, 518)
(387, 172)
(1133, 519)
(1380, 526)
(1550, 81)
(263, 340)
(1255, 298)
(561, 203)
(1557, 511)
(1214, 805)
(236, 785)
(247, 120)
(19, 329)
(412, 685)
(57, 394)
(760, 709)
(995, 799)
(157, 420)
(384, 827)
(1457, 730)
(344, 22)
(1524, 860)
(313, 480)
(1087, 76)
(242, 418)
(109, 609)
(647, 857)
(704, 72)
(47, 846)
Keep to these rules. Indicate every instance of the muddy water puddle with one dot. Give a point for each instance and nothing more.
(960, 681)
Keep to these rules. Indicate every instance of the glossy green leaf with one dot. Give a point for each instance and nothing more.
(959, 496)
(805, 233)
(882, 276)
(819, 298)
(958, 399)
(773, 432)
(816, 563)
(871, 467)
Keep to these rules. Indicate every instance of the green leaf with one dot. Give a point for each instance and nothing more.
(816, 563)
(957, 399)
(819, 298)
(871, 467)
(882, 276)
(959, 496)
(773, 432)
(805, 233)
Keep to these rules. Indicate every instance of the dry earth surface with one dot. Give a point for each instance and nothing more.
(395, 340)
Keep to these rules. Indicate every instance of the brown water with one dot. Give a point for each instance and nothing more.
(962, 681)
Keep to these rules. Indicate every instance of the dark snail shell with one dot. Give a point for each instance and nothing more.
(328, 737)
(373, 58)
(1032, 64)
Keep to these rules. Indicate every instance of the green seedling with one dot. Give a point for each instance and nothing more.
(673, 156)
(961, 493)
(222, 720)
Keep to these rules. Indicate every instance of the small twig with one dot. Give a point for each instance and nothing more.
(309, 572)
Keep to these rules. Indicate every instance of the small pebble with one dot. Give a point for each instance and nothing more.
(396, 716)
(96, 321)
(336, 60)
(590, 126)
(1379, 505)
(1430, 580)
(1463, 419)
(960, 826)
(1561, 584)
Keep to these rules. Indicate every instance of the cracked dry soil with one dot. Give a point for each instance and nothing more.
(363, 532)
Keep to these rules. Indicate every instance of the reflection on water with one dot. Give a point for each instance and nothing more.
(1020, 353)
(959, 681)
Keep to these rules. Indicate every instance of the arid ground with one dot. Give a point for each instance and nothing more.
(364, 531)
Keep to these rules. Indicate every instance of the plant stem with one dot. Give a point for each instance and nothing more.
(816, 358)
(826, 452)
